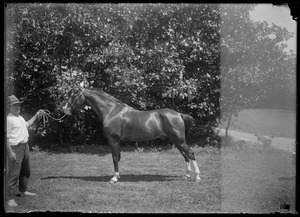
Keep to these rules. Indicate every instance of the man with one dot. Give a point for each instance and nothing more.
(18, 159)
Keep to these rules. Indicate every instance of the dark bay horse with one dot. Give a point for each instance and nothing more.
(124, 123)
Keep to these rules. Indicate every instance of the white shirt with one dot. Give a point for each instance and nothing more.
(17, 131)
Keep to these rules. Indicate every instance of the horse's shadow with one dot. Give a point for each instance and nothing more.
(124, 178)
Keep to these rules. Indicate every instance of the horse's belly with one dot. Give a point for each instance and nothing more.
(137, 126)
(142, 133)
(143, 138)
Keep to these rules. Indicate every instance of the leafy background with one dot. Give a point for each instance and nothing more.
(207, 60)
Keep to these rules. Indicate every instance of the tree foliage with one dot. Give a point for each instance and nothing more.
(253, 61)
(147, 55)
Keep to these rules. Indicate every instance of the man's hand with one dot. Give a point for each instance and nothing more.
(37, 115)
(12, 155)
(40, 113)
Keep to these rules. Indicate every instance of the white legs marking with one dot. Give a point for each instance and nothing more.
(115, 178)
(188, 169)
(197, 171)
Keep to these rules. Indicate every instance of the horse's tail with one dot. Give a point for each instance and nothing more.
(188, 123)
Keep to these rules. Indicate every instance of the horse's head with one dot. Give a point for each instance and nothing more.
(76, 99)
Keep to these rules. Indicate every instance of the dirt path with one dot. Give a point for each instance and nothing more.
(286, 144)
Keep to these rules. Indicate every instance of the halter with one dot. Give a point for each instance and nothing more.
(46, 113)
(76, 98)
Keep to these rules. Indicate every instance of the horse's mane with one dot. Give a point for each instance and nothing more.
(101, 93)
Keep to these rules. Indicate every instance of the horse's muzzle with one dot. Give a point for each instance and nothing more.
(67, 110)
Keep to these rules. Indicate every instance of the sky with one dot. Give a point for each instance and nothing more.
(279, 15)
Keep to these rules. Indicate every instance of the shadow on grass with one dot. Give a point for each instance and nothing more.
(102, 150)
(124, 178)
(87, 149)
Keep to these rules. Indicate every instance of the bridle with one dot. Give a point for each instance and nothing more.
(46, 113)
(72, 105)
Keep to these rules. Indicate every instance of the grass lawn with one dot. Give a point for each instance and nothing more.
(271, 122)
(234, 179)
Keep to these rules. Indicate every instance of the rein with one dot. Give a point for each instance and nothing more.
(46, 114)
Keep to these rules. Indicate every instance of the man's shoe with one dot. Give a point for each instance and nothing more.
(27, 194)
(19, 194)
(12, 202)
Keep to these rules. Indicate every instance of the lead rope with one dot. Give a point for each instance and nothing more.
(45, 114)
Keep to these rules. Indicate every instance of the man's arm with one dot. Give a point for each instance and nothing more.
(32, 120)
(9, 151)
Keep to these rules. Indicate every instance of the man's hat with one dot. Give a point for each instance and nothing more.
(13, 100)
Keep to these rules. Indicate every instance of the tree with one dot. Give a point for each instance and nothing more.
(149, 56)
(253, 62)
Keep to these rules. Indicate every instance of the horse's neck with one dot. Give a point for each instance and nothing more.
(99, 105)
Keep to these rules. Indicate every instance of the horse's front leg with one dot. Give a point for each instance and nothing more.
(116, 155)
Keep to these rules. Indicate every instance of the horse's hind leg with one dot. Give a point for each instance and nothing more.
(188, 164)
(116, 155)
(184, 148)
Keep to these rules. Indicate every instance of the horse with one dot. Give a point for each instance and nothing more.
(121, 122)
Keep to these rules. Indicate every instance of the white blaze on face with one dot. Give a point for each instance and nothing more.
(66, 109)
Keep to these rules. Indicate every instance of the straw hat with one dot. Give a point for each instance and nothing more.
(13, 100)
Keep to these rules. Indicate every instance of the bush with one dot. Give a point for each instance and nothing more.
(154, 56)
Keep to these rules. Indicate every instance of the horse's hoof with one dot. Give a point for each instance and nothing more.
(112, 181)
(187, 176)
